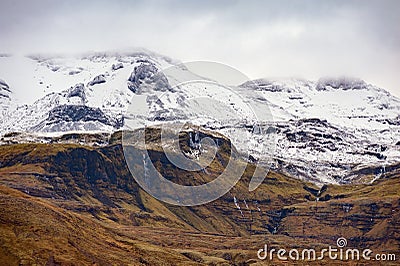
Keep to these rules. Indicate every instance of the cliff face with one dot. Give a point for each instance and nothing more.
(82, 200)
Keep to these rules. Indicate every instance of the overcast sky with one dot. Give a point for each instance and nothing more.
(296, 38)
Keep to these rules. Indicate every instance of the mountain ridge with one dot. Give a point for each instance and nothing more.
(361, 125)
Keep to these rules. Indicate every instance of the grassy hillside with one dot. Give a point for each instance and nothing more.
(78, 205)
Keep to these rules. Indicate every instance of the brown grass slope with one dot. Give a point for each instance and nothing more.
(35, 232)
(80, 205)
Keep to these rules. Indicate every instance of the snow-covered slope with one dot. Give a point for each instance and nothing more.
(94, 81)
(324, 130)
(342, 101)
(331, 127)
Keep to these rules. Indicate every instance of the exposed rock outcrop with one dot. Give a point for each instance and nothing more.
(147, 76)
(97, 80)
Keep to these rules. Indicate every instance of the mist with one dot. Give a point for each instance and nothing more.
(272, 39)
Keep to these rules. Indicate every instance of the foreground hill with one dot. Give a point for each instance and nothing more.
(77, 204)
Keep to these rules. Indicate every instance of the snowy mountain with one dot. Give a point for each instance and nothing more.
(325, 130)
(331, 128)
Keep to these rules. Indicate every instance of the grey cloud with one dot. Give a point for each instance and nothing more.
(308, 38)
